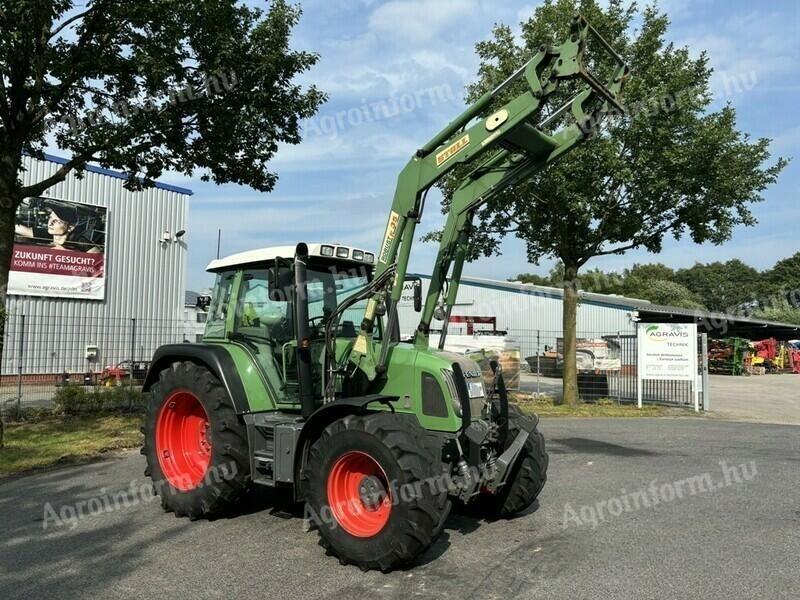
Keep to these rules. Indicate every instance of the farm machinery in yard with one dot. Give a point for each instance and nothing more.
(301, 381)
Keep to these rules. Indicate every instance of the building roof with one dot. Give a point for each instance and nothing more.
(714, 323)
(267, 254)
(720, 324)
(119, 175)
(606, 300)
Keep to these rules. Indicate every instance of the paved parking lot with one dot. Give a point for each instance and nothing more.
(764, 399)
(735, 539)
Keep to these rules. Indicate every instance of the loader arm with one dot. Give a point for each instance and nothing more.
(507, 147)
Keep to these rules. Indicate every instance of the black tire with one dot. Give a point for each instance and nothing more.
(227, 477)
(397, 444)
(528, 475)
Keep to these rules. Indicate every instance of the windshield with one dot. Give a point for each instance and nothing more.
(328, 287)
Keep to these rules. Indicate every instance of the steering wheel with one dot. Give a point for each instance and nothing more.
(320, 318)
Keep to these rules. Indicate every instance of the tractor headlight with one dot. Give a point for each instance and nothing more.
(476, 389)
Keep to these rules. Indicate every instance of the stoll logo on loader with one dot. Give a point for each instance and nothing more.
(656, 334)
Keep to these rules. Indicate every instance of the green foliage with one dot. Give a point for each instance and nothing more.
(732, 286)
(77, 400)
(670, 293)
(784, 279)
(723, 287)
(30, 414)
(150, 86)
(782, 312)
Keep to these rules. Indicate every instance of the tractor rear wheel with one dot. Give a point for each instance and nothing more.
(528, 475)
(371, 489)
(194, 443)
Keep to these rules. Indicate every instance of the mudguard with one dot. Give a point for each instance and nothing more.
(327, 414)
(211, 356)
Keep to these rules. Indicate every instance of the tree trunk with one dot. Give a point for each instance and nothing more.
(8, 210)
(569, 325)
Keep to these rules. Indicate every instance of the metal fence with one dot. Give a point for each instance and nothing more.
(607, 365)
(42, 354)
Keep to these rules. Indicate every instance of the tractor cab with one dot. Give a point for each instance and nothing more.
(255, 305)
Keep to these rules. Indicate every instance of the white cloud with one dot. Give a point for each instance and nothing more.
(746, 50)
(414, 21)
(526, 12)
(786, 141)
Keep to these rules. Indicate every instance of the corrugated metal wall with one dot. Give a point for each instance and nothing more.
(145, 280)
(531, 314)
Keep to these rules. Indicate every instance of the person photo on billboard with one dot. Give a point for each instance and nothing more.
(60, 225)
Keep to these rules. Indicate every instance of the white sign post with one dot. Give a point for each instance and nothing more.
(667, 352)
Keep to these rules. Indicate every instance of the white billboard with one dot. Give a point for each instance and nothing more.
(668, 352)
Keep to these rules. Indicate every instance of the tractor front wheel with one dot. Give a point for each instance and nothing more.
(372, 491)
(528, 475)
(194, 443)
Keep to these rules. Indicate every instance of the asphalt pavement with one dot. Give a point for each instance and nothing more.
(636, 508)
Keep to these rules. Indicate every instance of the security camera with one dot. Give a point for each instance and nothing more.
(180, 234)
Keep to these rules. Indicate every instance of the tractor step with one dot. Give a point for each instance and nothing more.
(273, 437)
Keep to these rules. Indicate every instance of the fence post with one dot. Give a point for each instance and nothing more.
(133, 350)
(20, 355)
(639, 382)
(704, 358)
(619, 373)
(538, 363)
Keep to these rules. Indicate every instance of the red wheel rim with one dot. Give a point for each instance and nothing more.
(359, 494)
(182, 441)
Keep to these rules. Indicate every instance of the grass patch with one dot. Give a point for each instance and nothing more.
(52, 441)
(545, 406)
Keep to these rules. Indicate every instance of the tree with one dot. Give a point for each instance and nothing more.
(145, 87)
(781, 312)
(723, 287)
(668, 293)
(669, 167)
(783, 280)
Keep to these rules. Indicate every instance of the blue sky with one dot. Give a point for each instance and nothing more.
(415, 57)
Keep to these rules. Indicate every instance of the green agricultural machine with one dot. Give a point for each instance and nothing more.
(302, 381)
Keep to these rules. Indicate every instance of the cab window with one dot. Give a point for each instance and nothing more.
(259, 315)
(218, 309)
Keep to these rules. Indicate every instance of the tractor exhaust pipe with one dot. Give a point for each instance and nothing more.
(305, 382)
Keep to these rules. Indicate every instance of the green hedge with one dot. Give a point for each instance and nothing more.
(80, 400)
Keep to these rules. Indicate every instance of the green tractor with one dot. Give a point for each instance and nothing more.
(303, 383)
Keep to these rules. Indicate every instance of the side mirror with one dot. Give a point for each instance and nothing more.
(417, 296)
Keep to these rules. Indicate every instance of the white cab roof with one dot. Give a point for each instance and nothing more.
(268, 254)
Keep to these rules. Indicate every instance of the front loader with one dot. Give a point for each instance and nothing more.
(302, 383)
